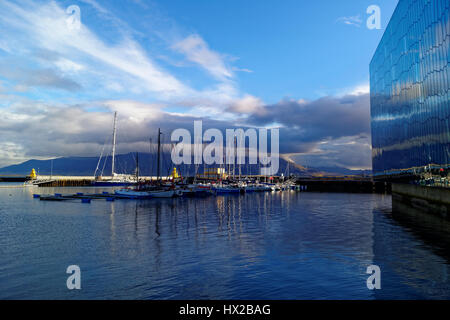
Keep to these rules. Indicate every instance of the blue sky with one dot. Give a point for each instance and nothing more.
(176, 60)
(295, 48)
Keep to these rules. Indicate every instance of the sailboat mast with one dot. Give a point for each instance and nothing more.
(288, 173)
(137, 166)
(159, 155)
(114, 145)
(234, 157)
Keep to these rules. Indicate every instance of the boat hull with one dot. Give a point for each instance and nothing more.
(228, 190)
(132, 194)
(197, 191)
(166, 194)
(111, 184)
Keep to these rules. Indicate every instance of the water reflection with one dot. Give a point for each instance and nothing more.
(284, 245)
(432, 230)
(413, 248)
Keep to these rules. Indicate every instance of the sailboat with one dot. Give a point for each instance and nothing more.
(151, 191)
(116, 179)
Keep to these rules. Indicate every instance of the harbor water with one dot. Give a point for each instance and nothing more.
(271, 245)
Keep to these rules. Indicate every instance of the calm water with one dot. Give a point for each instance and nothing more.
(258, 246)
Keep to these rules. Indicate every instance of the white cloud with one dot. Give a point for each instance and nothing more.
(352, 20)
(248, 104)
(66, 65)
(360, 89)
(123, 67)
(46, 27)
(134, 110)
(196, 50)
(11, 153)
(242, 70)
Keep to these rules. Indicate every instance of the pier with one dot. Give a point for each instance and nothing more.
(14, 178)
(85, 198)
(73, 181)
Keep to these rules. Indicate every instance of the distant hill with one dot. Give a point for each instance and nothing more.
(126, 163)
(342, 171)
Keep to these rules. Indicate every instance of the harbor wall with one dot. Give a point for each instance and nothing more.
(74, 181)
(14, 179)
(345, 186)
(430, 200)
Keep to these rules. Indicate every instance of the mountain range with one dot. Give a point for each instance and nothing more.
(126, 163)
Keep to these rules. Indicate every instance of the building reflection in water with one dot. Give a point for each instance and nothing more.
(413, 248)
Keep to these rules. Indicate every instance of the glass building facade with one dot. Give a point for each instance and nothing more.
(410, 89)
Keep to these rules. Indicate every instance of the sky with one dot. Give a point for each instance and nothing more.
(300, 65)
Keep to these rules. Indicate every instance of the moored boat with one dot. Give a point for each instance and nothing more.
(228, 189)
(132, 194)
(196, 190)
(257, 188)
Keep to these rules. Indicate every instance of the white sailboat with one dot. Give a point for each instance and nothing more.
(116, 179)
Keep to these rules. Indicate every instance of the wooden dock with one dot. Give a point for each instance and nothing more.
(85, 198)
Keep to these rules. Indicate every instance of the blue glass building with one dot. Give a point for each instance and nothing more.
(410, 90)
